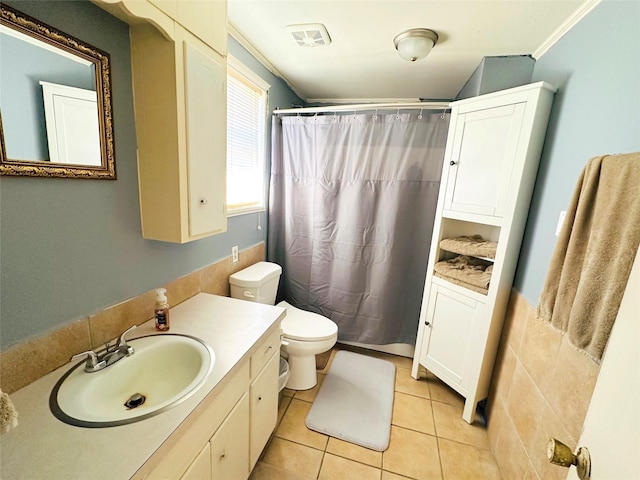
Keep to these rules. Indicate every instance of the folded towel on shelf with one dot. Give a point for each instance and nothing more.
(592, 259)
(8, 413)
(470, 270)
(473, 245)
(461, 283)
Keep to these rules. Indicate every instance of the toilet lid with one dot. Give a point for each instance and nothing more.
(306, 326)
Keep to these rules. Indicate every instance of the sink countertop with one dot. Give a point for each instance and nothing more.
(44, 447)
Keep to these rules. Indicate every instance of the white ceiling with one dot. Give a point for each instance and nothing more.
(361, 62)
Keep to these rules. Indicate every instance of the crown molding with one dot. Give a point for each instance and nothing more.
(567, 25)
(259, 56)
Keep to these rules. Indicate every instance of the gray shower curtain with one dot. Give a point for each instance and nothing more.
(351, 213)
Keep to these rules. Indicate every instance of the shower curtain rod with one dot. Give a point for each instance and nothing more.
(365, 106)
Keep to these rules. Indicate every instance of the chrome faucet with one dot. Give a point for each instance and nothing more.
(111, 354)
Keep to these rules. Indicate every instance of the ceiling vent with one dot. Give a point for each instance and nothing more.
(309, 34)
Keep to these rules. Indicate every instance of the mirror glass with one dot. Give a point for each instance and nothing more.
(55, 102)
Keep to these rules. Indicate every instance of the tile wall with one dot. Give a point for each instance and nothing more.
(26, 362)
(541, 388)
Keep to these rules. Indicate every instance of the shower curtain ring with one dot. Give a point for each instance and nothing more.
(420, 115)
(398, 114)
(375, 115)
(444, 110)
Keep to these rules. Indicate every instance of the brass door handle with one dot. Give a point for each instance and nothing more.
(559, 454)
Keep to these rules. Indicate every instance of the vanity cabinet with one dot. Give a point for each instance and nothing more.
(264, 408)
(224, 437)
(230, 444)
(180, 103)
(490, 165)
(201, 466)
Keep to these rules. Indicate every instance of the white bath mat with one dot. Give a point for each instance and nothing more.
(355, 401)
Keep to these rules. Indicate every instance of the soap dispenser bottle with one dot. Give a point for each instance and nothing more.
(162, 310)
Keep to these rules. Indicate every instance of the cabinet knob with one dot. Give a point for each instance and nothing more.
(427, 323)
(452, 163)
(203, 201)
(259, 398)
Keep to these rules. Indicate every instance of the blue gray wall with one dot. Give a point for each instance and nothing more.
(69, 247)
(596, 111)
(22, 67)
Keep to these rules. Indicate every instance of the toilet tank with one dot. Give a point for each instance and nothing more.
(257, 283)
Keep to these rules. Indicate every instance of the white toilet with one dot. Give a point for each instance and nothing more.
(305, 334)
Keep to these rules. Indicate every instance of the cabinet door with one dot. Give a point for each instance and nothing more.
(206, 131)
(170, 7)
(206, 19)
(200, 469)
(483, 155)
(264, 407)
(230, 444)
(449, 345)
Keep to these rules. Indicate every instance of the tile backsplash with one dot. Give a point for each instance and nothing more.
(26, 362)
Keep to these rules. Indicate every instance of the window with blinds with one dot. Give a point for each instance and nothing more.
(246, 129)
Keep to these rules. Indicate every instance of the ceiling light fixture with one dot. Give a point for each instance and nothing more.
(415, 43)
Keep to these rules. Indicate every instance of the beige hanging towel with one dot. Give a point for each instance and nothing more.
(592, 260)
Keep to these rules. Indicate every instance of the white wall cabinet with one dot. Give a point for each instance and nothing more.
(206, 19)
(179, 83)
(490, 165)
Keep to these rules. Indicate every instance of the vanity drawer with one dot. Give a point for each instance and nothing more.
(264, 352)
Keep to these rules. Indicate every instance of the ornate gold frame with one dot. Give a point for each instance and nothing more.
(34, 28)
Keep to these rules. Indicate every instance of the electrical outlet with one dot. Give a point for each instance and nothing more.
(234, 254)
(560, 222)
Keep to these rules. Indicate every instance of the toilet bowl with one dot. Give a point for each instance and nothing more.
(304, 334)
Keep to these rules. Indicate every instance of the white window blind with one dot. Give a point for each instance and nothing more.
(246, 114)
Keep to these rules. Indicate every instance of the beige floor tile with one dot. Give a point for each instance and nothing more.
(288, 393)
(405, 383)
(283, 404)
(264, 471)
(450, 425)
(338, 468)
(460, 462)
(413, 413)
(354, 452)
(412, 454)
(293, 457)
(442, 392)
(292, 427)
(392, 476)
(310, 395)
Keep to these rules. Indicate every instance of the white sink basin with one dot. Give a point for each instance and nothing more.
(164, 370)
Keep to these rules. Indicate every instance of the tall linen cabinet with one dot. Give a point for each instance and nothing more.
(490, 165)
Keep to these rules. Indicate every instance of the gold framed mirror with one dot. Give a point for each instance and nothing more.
(55, 102)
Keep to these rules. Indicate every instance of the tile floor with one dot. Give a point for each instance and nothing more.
(429, 439)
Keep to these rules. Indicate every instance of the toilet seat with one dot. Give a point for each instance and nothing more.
(306, 326)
